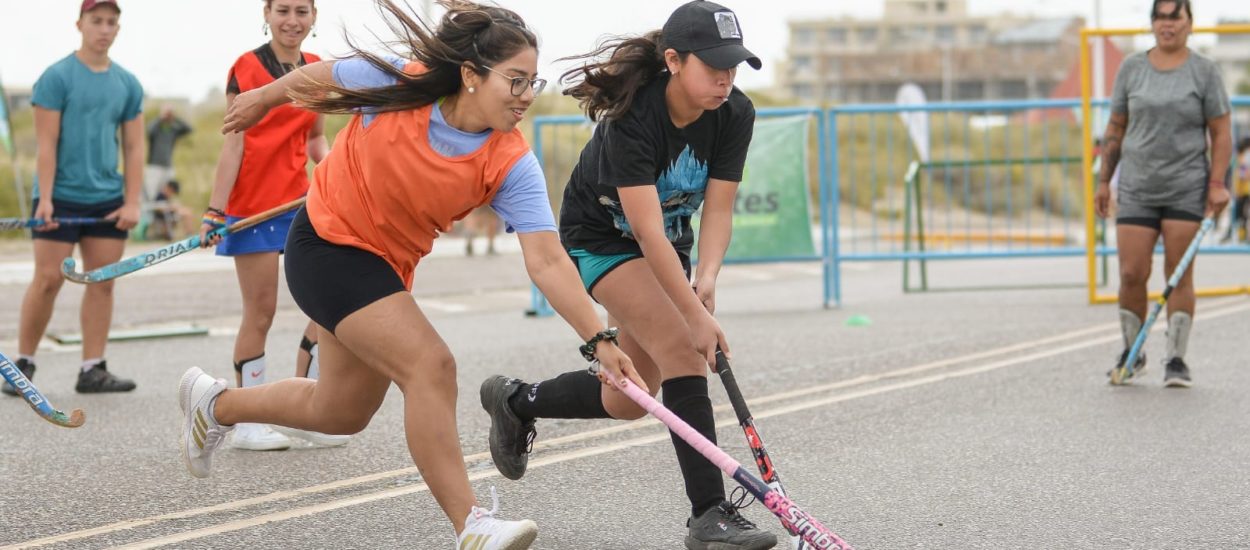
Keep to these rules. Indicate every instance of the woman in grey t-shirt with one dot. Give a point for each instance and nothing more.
(1169, 110)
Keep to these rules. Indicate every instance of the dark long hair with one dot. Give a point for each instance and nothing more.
(605, 88)
(468, 33)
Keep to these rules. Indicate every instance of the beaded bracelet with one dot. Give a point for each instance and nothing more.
(588, 349)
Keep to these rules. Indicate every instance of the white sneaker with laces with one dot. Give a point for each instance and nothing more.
(483, 531)
(316, 438)
(258, 437)
(201, 434)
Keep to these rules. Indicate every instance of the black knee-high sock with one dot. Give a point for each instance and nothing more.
(687, 398)
(570, 395)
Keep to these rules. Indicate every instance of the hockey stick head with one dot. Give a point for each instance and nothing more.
(68, 270)
(36, 400)
(74, 419)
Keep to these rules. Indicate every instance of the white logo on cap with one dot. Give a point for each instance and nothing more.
(727, 24)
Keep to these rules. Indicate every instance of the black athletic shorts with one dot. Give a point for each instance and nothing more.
(331, 281)
(76, 233)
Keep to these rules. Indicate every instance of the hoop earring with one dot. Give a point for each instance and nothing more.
(265, 29)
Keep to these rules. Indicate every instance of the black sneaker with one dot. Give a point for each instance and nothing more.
(27, 368)
(98, 379)
(1177, 374)
(510, 438)
(1138, 369)
(723, 528)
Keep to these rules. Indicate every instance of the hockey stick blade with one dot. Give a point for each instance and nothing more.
(36, 400)
(793, 518)
(768, 473)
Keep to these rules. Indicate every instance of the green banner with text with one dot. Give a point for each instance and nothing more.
(772, 215)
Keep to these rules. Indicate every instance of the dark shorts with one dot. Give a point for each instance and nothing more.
(593, 267)
(76, 233)
(331, 281)
(1189, 207)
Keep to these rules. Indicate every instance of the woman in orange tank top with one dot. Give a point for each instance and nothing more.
(430, 141)
(264, 168)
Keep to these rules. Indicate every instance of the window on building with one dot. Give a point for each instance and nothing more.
(970, 91)
(976, 34)
(867, 37)
(1013, 89)
(835, 36)
(945, 34)
(804, 37)
(801, 64)
(941, 7)
(803, 92)
(898, 37)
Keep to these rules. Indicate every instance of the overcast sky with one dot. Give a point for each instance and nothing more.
(183, 48)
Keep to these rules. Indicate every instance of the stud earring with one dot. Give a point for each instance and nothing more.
(471, 90)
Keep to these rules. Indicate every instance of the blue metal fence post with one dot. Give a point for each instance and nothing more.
(832, 255)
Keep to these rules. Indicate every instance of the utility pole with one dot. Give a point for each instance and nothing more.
(1100, 59)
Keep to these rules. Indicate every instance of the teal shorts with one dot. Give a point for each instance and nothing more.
(593, 267)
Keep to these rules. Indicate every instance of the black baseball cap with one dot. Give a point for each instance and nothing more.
(710, 31)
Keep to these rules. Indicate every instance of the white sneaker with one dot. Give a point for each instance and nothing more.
(201, 434)
(258, 437)
(483, 531)
(316, 438)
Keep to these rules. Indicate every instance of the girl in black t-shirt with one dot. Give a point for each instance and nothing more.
(672, 136)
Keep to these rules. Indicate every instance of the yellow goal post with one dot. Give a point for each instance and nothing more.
(1087, 131)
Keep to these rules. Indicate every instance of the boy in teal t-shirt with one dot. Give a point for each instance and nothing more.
(82, 103)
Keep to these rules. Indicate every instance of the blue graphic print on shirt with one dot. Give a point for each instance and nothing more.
(681, 187)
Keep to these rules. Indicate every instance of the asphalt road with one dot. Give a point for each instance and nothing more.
(956, 419)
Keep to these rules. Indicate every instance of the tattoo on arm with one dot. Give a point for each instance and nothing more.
(1111, 149)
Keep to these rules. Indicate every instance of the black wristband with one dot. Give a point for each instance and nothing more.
(218, 211)
(588, 349)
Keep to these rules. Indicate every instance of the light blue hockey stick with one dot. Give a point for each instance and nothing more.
(36, 400)
(1122, 373)
(173, 250)
(25, 223)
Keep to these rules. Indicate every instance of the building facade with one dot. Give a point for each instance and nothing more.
(1232, 52)
(934, 43)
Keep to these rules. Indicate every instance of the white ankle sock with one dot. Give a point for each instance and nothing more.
(1178, 334)
(252, 371)
(89, 364)
(314, 366)
(1130, 325)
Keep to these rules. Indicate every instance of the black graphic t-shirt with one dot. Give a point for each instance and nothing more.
(643, 147)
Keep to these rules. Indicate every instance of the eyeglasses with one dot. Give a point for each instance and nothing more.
(520, 83)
